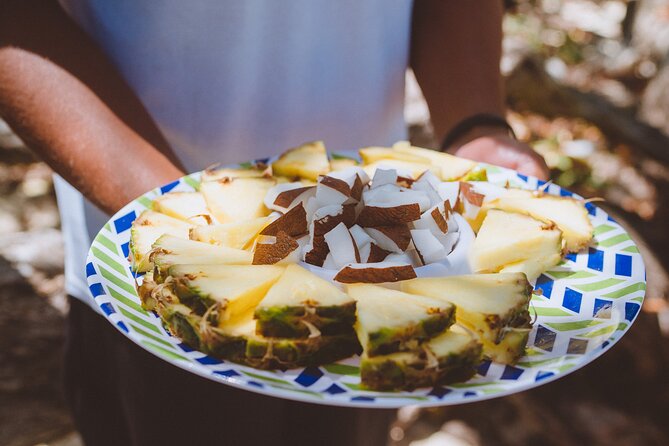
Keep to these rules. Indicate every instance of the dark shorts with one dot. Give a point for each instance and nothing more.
(122, 395)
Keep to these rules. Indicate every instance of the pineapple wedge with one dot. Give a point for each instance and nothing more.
(510, 348)
(182, 205)
(233, 200)
(390, 321)
(302, 305)
(341, 163)
(412, 169)
(238, 235)
(169, 250)
(569, 214)
(306, 161)
(448, 358)
(371, 155)
(485, 303)
(146, 229)
(231, 172)
(237, 341)
(235, 290)
(450, 167)
(506, 238)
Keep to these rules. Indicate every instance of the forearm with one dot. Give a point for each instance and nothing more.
(52, 82)
(455, 55)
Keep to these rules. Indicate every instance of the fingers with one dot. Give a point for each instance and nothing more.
(533, 168)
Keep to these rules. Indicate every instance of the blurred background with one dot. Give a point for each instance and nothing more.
(588, 88)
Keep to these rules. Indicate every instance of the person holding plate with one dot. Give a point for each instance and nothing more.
(121, 97)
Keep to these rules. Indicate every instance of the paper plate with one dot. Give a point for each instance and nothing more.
(584, 306)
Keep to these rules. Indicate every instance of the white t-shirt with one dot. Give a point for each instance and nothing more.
(229, 81)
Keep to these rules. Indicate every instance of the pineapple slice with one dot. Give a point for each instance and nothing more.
(236, 341)
(450, 167)
(510, 348)
(235, 290)
(341, 163)
(146, 229)
(232, 200)
(532, 268)
(569, 214)
(390, 321)
(182, 205)
(306, 161)
(506, 238)
(258, 171)
(485, 303)
(371, 155)
(301, 305)
(403, 168)
(169, 250)
(238, 235)
(448, 358)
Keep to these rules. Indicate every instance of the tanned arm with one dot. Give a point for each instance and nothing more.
(455, 55)
(62, 96)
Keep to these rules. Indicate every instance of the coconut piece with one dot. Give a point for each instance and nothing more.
(391, 238)
(342, 246)
(428, 247)
(362, 240)
(293, 223)
(332, 191)
(433, 220)
(489, 191)
(428, 183)
(275, 249)
(316, 251)
(470, 195)
(326, 218)
(274, 192)
(450, 191)
(349, 175)
(376, 254)
(329, 262)
(383, 177)
(290, 198)
(390, 195)
(448, 241)
(371, 216)
(408, 257)
(375, 272)
(357, 188)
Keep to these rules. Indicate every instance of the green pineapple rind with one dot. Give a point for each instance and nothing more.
(407, 371)
(289, 321)
(393, 340)
(255, 351)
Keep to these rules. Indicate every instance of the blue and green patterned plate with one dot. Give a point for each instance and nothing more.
(583, 306)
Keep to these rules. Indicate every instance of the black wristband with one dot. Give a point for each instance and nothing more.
(478, 120)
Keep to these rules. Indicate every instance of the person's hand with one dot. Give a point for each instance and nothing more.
(503, 150)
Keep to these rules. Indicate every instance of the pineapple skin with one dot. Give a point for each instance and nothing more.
(255, 351)
(391, 340)
(273, 353)
(288, 321)
(409, 371)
